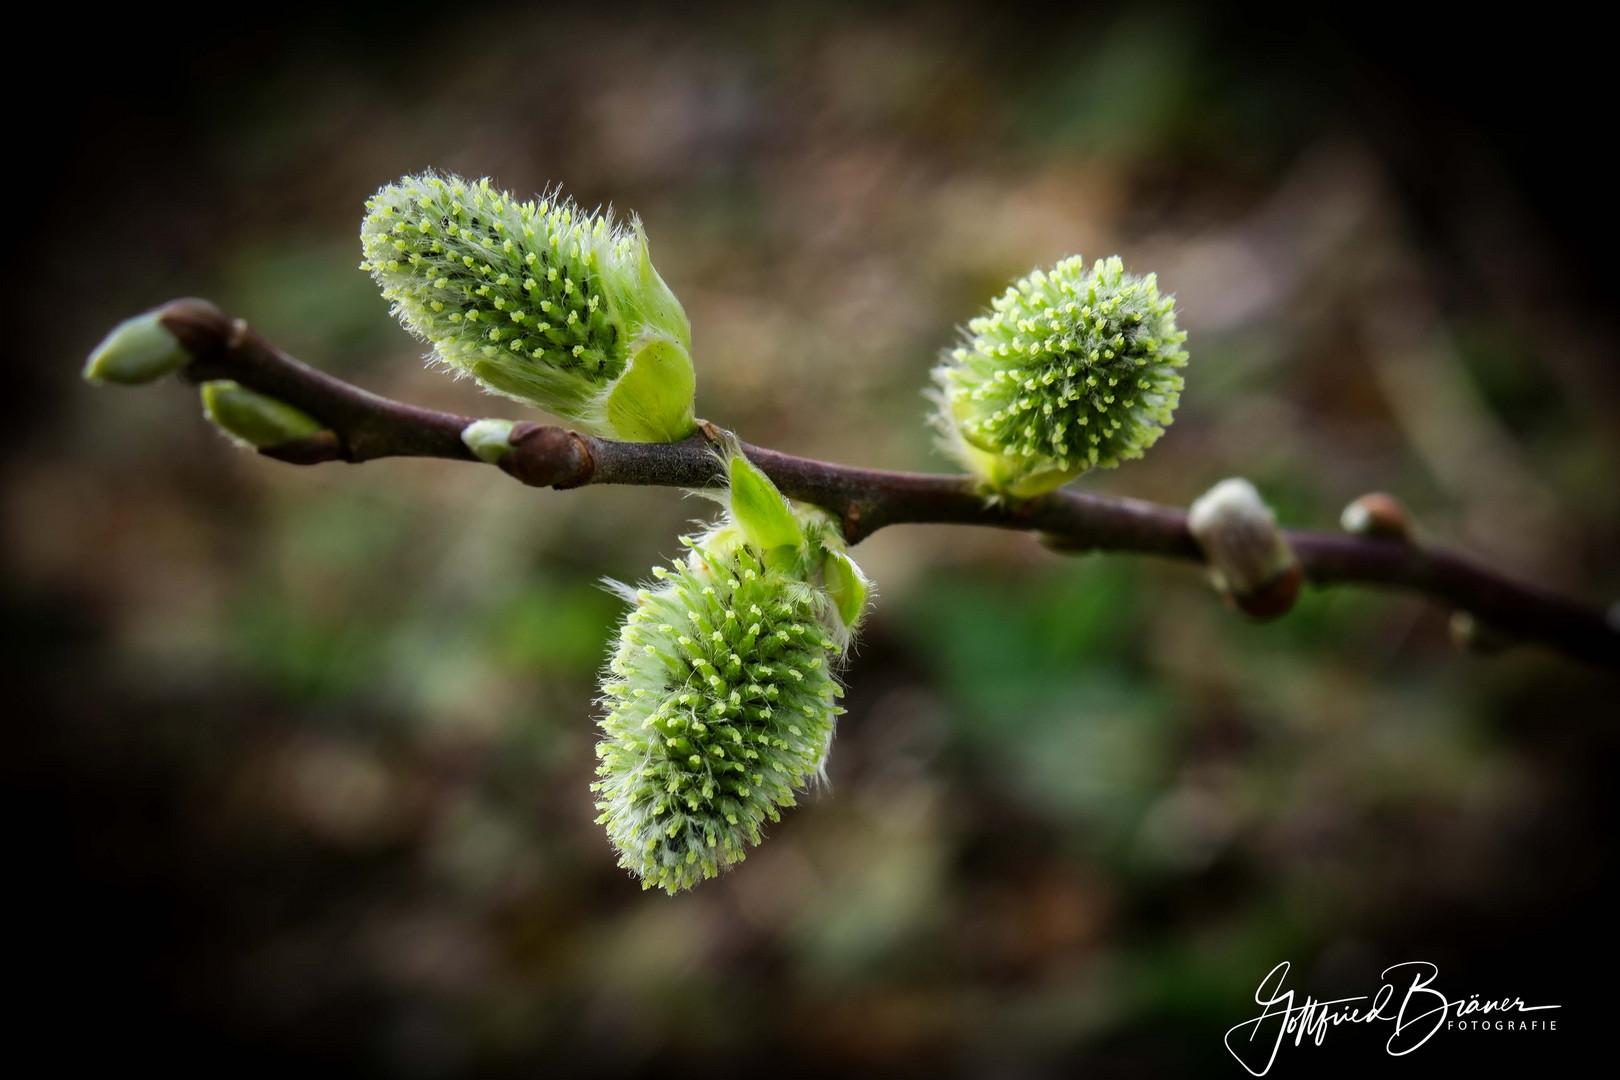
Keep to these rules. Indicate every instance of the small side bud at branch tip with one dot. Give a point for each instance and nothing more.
(1251, 565)
(489, 440)
(1378, 515)
(252, 420)
(139, 350)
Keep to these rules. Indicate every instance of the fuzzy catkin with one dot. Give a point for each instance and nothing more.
(537, 300)
(720, 699)
(1071, 369)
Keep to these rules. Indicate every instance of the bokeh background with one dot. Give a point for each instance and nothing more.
(297, 773)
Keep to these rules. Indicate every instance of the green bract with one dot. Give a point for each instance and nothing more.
(536, 300)
(1071, 369)
(722, 692)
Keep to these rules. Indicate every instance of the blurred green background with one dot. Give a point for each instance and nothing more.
(301, 770)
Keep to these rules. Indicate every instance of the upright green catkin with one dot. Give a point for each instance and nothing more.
(721, 695)
(1071, 369)
(537, 300)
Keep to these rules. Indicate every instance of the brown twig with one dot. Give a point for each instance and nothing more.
(365, 427)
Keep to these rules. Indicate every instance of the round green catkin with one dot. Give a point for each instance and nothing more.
(720, 700)
(1071, 369)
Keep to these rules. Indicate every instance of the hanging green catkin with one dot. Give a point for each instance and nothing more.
(722, 692)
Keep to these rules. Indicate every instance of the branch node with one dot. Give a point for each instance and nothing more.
(852, 524)
(201, 327)
(544, 455)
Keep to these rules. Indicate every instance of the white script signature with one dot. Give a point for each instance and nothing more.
(1417, 1013)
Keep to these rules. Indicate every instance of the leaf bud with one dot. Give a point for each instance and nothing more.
(253, 420)
(138, 350)
(1378, 515)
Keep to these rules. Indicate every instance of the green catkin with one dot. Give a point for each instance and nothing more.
(1071, 369)
(720, 699)
(537, 300)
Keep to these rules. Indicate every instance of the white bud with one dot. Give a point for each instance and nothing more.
(1247, 554)
(489, 440)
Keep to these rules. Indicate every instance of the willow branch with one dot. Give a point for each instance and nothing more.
(363, 427)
